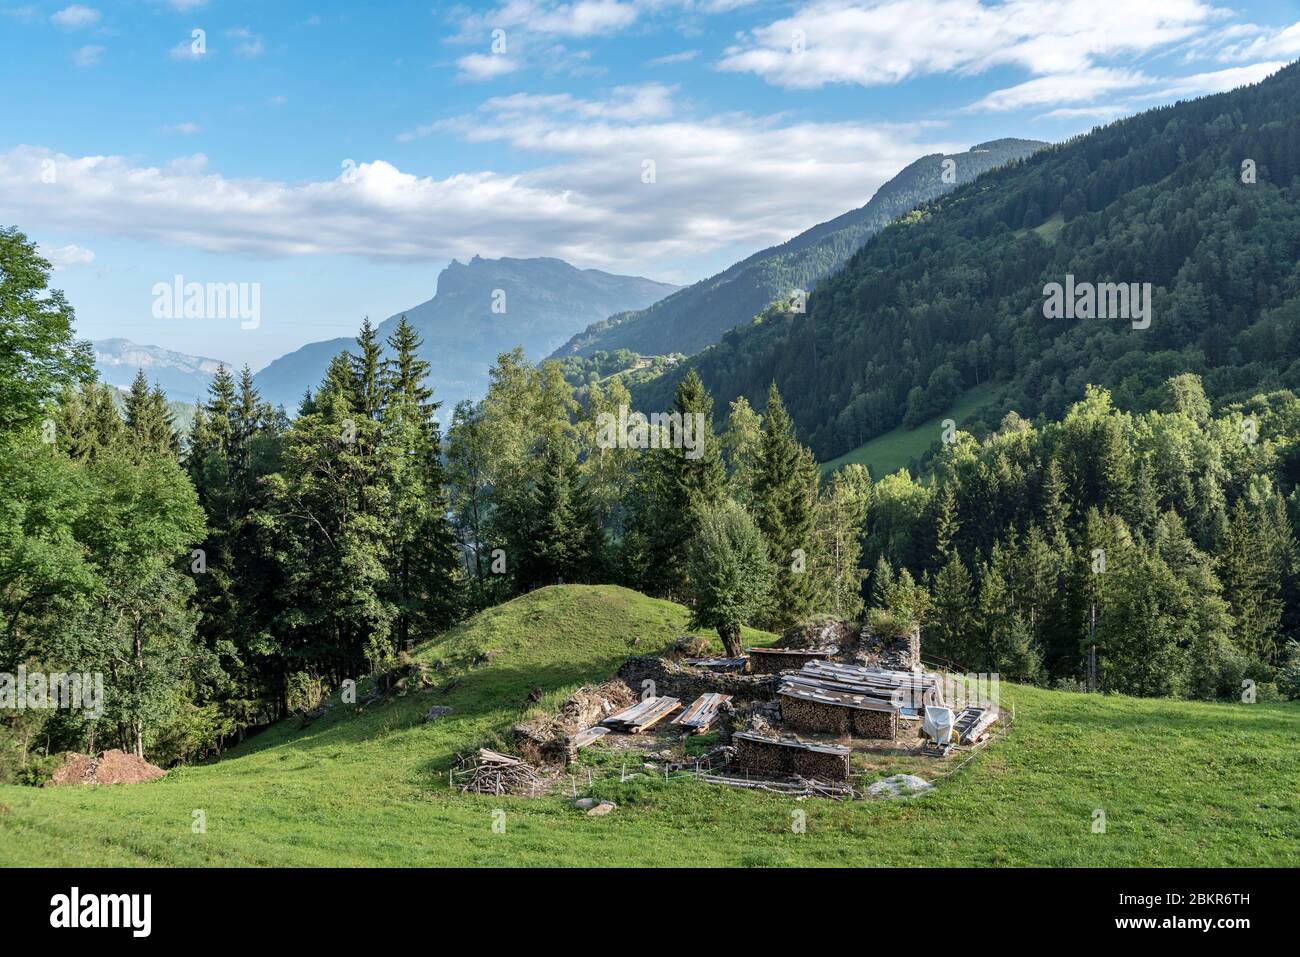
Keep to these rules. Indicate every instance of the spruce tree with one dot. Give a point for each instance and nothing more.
(785, 490)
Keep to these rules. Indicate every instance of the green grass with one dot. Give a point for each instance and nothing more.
(893, 450)
(1049, 228)
(1180, 783)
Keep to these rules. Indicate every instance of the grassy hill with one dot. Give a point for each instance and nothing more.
(1180, 783)
(895, 449)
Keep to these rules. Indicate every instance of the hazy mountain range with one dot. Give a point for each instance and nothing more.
(538, 304)
(697, 316)
(183, 377)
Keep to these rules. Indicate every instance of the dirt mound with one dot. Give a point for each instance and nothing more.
(545, 739)
(111, 767)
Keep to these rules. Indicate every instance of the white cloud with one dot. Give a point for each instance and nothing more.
(65, 257)
(1084, 86)
(1145, 92)
(1249, 41)
(1218, 81)
(248, 45)
(184, 5)
(75, 17)
(486, 66)
(721, 182)
(185, 51)
(684, 57)
(185, 129)
(1101, 111)
(876, 42)
(582, 18)
(89, 55)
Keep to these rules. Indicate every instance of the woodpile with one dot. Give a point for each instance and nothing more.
(790, 757)
(490, 772)
(642, 715)
(833, 712)
(703, 711)
(770, 661)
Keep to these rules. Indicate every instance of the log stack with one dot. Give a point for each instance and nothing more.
(807, 708)
(790, 757)
(770, 661)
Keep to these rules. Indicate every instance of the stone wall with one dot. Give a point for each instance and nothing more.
(686, 683)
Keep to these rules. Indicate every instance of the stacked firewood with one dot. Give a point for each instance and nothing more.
(790, 757)
(490, 772)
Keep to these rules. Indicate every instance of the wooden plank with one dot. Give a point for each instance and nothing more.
(702, 711)
(793, 652)
(584, 738)
(495, 757)
(837, 699)
(788, 742)
(973, 722)
(662, 708)
(721, 664)
(801, 680)
(631, 713)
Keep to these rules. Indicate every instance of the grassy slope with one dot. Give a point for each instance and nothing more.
(894, 449)
(1181, 783)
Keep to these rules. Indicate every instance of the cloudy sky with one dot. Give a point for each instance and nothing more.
(341, 158)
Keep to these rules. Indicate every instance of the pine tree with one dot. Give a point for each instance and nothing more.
(949, 630)
(425, 580)
(785, 491)
(148, 419)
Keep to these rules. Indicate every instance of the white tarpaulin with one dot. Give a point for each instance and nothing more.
(938, 724)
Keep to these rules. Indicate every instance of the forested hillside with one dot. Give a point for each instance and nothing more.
(1199, 199)
(697, 316)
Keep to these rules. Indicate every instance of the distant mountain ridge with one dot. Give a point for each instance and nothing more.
(696, 317)
(539, 303)
(183, 377)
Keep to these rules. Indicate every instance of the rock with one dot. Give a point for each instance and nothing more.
(585, 804)
(601, 809)
(691, 646)
(436, 712)
(900, 785)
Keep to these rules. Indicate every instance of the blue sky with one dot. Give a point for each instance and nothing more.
(341, 157)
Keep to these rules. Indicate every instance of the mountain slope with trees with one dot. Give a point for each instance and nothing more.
(1199, 199)
(697, 316)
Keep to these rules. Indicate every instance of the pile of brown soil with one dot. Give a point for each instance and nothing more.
(545, 739)
(111, 767)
